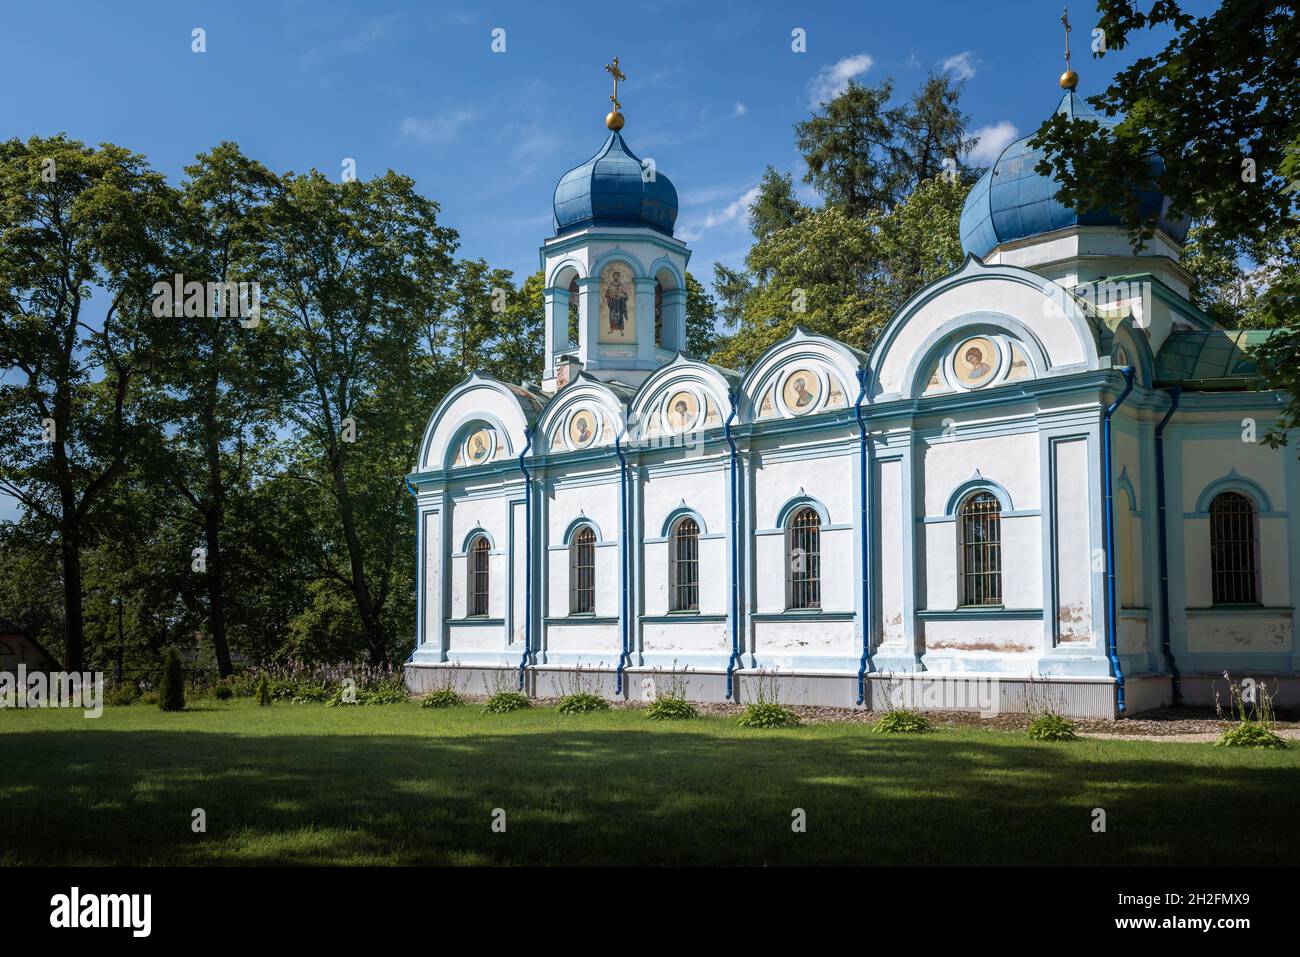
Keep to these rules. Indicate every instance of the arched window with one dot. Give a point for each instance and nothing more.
(573, 313)
(1232, 550)
(479, 550)
(684, 572)
(582, 571)
(981, 550)
(803, 559)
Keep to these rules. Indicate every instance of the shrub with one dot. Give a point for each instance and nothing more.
(149, 697)
(1254, 713)
(503, 701)
(443, 698)
(1050, 726)
(1250, 734)
(223, 691)
(263, 692)
(122, 693)
(171, 690)
(671, 708)
(582, 702)
(390, 692)
(768, 714)
(901, 721)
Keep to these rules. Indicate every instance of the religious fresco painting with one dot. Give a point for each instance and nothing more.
(683, 411)
(617, 305)
(582, 429)
(800, 391)
(478, 447)
(975, 362)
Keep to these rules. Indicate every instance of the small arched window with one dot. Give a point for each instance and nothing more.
(582, 571)
(980, 522)
(479, 553)
(571, 329)
(1232, 550)
(803, 559)
(684, 558)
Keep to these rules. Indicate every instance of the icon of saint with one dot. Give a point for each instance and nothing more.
(683, 413)
(616, 300)
(584, 429)
(978, 367)
(801, 391)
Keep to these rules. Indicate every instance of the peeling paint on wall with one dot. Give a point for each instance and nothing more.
(1075, 624)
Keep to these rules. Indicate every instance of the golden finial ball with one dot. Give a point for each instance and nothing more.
(614, 120)
(1069, 80)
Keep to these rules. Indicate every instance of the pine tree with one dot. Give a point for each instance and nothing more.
(171, 690)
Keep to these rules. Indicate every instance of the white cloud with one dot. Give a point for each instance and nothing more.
(833, 80)
(913, 62)
(731, 213)
(437, 130)
(992, 141)
(741, 109)
(960, 65)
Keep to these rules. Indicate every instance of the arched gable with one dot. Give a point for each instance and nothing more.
(1125, 346)
(1234, 482)
(802, 374)
(679, 513)
(1006, 301)
(683, 397)
(478, 404)
(585, 414)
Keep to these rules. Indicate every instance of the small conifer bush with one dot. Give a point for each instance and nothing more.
(171, 690)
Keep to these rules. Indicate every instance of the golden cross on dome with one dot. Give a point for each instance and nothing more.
(613, 70)
(1065, 19)
(1069, 79)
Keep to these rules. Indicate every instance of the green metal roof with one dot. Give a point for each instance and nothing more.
(1214, 359)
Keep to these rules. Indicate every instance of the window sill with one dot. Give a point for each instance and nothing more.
(477, 620)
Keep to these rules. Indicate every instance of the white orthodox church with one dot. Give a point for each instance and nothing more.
(1043, 477)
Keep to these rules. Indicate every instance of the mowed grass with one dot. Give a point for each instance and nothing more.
(308, 784)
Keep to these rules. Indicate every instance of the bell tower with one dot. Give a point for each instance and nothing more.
(615, 274)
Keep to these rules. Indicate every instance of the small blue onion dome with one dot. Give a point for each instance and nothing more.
(1012, 201)
(609, 190)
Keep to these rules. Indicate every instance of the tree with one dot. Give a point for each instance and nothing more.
(775, 207)
(1218, 105)
(933, 131)
(853, 149)
(701, 319)
(845, 277)
(218, 374)
(171, 689)
(355, 270)
(82, 231)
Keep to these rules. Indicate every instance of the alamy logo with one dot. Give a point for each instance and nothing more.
(75, 909)
(218, 300)
(56, 689)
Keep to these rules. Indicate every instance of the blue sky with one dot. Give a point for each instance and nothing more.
(713, 90)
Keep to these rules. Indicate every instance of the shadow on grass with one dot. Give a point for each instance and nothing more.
(615, 796)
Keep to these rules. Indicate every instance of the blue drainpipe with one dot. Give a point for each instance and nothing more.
(528, 556)
(1112, 611)
(623, 555)
(864, 376)
(1175, 393)
(735, 552)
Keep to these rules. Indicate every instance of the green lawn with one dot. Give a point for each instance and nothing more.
(403, 785)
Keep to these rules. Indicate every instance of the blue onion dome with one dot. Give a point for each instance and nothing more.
(1012, 201)
(609, 190)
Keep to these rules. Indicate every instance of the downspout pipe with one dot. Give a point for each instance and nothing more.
(735, 548)
(1175, 394)
(1112, 605)
(623, 557)
(528, 555)
(864, 377)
